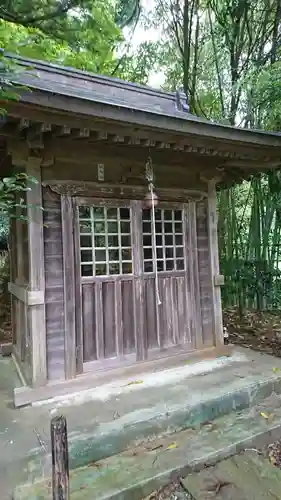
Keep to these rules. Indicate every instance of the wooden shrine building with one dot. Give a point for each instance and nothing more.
(108, 275)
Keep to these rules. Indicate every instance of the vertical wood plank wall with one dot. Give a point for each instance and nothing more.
(205, 276)
(54, 289)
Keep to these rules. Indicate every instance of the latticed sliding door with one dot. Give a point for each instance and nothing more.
(107, 282)
(134, 286)
(166, 283)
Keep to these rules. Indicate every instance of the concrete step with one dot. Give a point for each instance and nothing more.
(136, 472)
(127, 412)
(247, 476)
(137, 413)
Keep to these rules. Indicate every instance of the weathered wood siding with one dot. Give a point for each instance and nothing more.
(54, 291)
(205, 282)
(108, 323)
(167, 324)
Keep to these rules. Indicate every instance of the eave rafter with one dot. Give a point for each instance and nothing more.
(227, 162)
(38, 134)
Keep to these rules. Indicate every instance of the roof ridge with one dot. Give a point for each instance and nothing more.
(78, 73)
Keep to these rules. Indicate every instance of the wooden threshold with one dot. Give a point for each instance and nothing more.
(27, 395)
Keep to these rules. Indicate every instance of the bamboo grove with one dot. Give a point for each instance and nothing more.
(228, 62)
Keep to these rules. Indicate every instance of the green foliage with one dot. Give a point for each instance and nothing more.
(9, 187)
(95, 51)
(12, 191)
(78, 33)
(138, 66)
(4, 229)
(127, 12)
(66, 20)
(268, 96)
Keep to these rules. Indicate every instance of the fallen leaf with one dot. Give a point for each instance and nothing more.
(267, 416)
(276, 370)
(172, 446)
(134, 382)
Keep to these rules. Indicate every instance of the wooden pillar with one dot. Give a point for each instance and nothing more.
(214, 264)
(194, 284)
(37, 323)
(13, 274)
(69, 264)
(19, 278)
(138, 285)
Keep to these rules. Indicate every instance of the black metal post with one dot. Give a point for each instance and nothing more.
(60, 460)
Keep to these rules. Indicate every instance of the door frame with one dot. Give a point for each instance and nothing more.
(138, 276)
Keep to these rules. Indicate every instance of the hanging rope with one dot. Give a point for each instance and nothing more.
(150, 178)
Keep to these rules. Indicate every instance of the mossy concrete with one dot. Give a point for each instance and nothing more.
(100, 429)
(136, 473)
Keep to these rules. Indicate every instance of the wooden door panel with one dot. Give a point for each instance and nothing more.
(167, 324)
(129, 342)
(108, 328)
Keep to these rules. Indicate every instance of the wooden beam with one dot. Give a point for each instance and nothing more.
(36, 274)
(18, 150)
(87, 152)
(248, 143)
(69, 286)
(34, 137)
(214, 263)
(18, 291)
(31, 298)
(250, 164)
(81, 133)
(61, 131)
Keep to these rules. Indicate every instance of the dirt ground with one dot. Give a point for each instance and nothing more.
(172, 491)
(260, 331)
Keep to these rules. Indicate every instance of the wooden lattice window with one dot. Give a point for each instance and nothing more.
(169, 240)
(105, 240)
